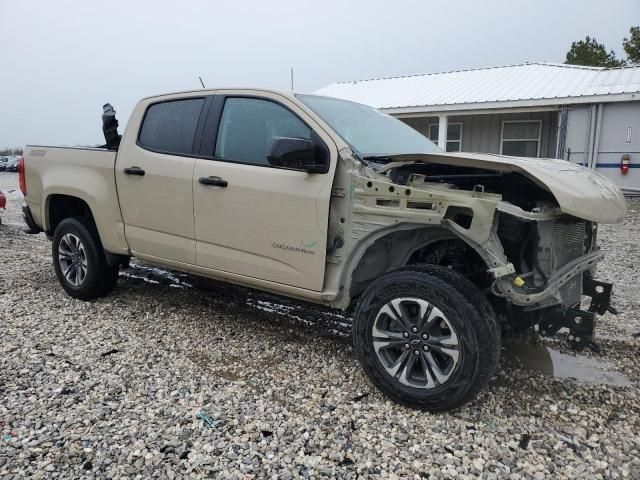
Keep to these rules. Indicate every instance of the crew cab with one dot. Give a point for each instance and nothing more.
(434, 255)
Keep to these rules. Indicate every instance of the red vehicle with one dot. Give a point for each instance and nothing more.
(3, 202)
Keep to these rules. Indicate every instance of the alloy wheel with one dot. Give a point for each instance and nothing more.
(415, 342)
(72, 259)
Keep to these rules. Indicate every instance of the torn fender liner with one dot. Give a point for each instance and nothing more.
(580, 192)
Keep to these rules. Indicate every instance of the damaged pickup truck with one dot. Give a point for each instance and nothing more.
(435, 255)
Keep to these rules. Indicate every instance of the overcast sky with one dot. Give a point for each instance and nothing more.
(61, 60)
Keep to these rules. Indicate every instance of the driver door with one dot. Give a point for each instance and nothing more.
(256, 219)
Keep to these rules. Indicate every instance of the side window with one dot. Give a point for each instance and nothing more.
(248, 125)
(171, 126)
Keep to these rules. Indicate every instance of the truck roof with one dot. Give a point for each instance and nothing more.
(224, 89)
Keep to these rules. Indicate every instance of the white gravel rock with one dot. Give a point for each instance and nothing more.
(111, 388)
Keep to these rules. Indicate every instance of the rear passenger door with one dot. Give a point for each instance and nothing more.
(260, 220)
(154, 175)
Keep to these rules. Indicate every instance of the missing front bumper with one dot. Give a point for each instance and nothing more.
(534, 299)
(581, 323)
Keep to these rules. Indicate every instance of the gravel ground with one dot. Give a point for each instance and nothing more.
(111, 388)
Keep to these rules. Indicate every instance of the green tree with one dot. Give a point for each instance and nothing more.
(631, 45)
(590, 52)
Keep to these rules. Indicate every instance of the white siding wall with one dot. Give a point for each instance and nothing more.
(612, 143)
(482, 133)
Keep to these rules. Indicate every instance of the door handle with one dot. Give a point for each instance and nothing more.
(134, 171)
(215, 181)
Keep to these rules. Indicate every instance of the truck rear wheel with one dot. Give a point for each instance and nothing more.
(79, 260)
(426, 337)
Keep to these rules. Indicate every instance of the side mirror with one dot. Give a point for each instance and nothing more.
(297, 153)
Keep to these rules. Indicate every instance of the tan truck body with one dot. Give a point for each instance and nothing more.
(167, 219)
(443, 251)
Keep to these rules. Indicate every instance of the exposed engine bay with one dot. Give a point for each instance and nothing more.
(513, 187)
(539, 244)
(511, 238)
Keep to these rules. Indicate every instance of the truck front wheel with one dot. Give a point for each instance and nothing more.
(426, 337)
(79, 260)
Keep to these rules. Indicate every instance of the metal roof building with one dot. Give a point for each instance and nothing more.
(587, 115)
(528, 84)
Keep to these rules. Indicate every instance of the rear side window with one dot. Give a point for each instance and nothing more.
(170, 127)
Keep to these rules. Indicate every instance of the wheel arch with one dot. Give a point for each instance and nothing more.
(58, 206)
(390, 249)
(61, 204)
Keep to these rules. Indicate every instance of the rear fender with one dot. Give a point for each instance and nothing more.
(94, 187)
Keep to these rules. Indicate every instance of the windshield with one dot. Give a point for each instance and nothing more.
(369, 132)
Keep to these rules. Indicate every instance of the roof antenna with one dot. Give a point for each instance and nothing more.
(201, 82)
(292, 79)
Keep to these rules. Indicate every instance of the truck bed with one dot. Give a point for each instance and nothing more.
(83, 172)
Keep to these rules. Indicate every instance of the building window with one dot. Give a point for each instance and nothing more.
(521, 138)
(454, 136)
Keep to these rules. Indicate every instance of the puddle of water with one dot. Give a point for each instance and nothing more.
(291, 312)
(138, 277)
(560, 365)
(337, 324)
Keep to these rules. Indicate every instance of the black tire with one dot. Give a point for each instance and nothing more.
(100, 278)
(465, 312)
(469, 290)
